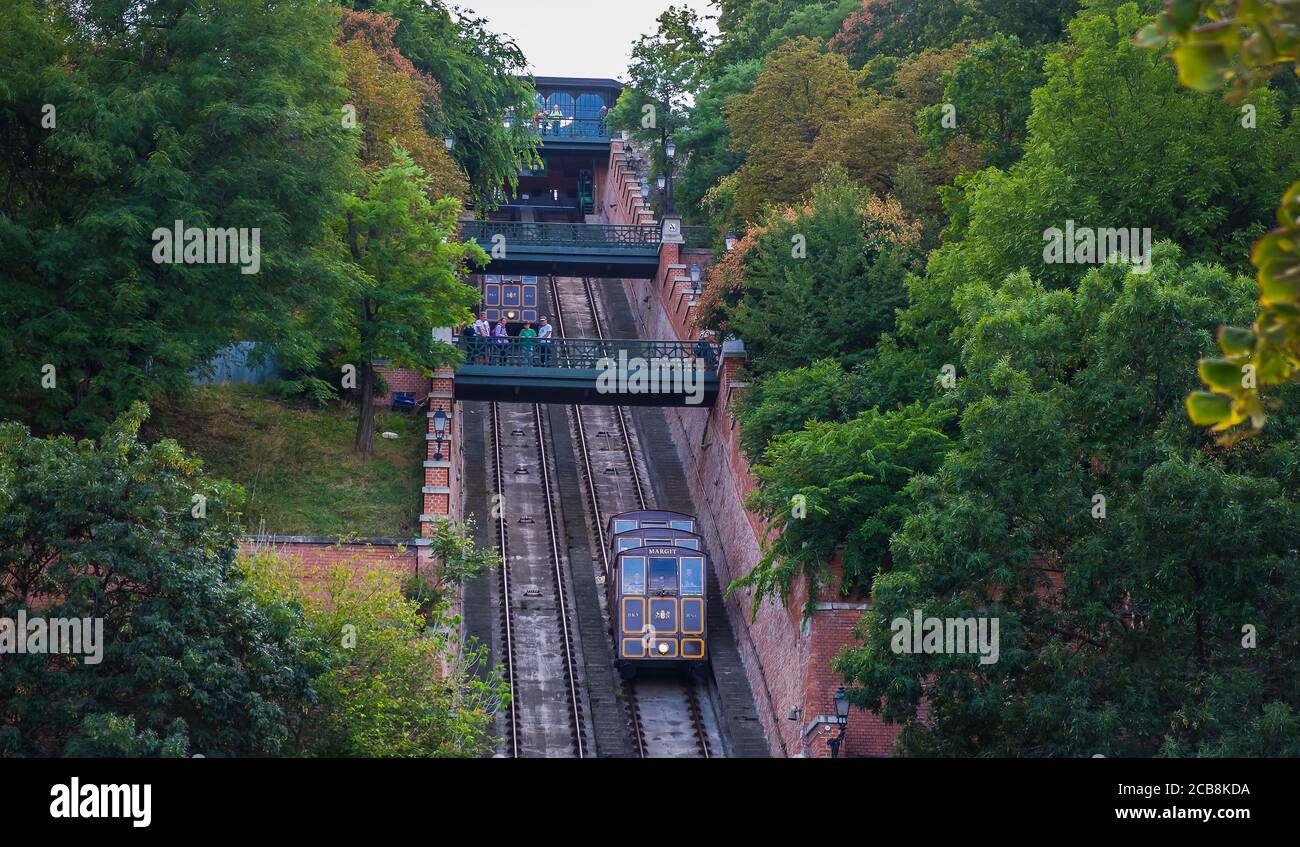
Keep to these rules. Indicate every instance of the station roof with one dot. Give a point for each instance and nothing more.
(577, 82)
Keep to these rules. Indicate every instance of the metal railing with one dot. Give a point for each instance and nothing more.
(697, 236)
(612, 236)
(586, 353)
(565, 127)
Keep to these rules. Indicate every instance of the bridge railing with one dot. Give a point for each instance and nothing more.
(566, 127)
(697, 236)
(587, 353)
(608, 236)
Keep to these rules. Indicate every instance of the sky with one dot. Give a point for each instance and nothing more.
(576, 37)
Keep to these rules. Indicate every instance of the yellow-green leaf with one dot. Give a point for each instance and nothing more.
(1236, 341)
(1201, 66)
(1222, 375)
(1205, 408)
(1279, 281)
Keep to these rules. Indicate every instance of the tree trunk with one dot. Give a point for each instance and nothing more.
(366, 425)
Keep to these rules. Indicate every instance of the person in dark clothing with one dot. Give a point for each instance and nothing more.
(704, 350)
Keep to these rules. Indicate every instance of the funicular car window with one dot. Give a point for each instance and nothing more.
(624, 526)
(628, 543)
(692, 575)
(663, 576)
(633, 575)
(654, 524)
(693, 543)
(687, 526)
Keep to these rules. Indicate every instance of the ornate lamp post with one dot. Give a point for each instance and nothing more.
(670, 151)
(842, 719)
(440, 418)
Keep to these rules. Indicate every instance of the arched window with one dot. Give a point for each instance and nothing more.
(564, 100)
(589, 106)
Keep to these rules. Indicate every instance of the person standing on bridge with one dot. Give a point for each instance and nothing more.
(544, 336)
(704, 350)
(482, 330)
(502, 337)
(526, 336)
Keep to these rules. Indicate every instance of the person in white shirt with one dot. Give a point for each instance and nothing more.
(544, 330)
(482, 329)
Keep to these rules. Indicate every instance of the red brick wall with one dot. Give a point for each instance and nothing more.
(404, 381)
(314, 560)
(623, 202)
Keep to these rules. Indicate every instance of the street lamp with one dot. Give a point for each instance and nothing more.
(645, 190)
(730, 241)
(670, 151)
(695, 280)
(448, 141)
(439, 433)
(842, 719)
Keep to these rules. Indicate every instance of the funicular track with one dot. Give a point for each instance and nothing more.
(545, 715)
(665, 715)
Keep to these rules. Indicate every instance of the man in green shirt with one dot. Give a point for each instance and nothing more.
(526, 342)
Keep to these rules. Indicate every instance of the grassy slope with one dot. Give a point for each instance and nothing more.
(296, 462)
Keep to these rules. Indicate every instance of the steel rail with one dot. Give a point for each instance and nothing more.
(512, 718)
(552, 530)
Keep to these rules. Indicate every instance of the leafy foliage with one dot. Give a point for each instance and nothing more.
(151, 126)
(834, 492)
(781, 127)
(391, 98)
(664, 72)
(191, 663)
(989, 93)
(1239, 43)
(407, 275)
(482, 76)
(1122, 633)
(813, 281)
(398, 684)
(1099, 152)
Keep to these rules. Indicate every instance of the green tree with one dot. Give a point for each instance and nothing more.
(190, 662)
(663, 76)
(407, 272)
(834, 493)
(705, 143)
(391, 97)
(989, 93)
(880, 28)
(1122, 560)
(815, 281)
(482, 77)
(1115, 142)
(751, 29)
(120, 119)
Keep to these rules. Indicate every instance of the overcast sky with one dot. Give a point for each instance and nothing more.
(576, 37)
